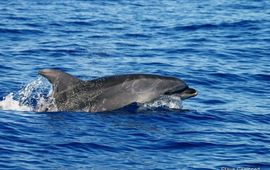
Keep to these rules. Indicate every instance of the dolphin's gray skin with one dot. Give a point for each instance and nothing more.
(111, 92)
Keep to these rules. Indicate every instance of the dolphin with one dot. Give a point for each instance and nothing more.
(111, 92)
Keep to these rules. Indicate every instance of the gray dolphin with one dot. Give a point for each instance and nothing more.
(111, 92)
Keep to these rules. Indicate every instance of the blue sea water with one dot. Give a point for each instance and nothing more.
(221, 48)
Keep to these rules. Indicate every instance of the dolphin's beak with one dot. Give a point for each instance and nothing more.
(188, 93)
(184, 93)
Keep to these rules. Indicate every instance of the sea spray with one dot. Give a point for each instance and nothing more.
(34, 96)
(8, 103)
(164, 102)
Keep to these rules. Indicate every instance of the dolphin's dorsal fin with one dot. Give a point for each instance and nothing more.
(59, 79)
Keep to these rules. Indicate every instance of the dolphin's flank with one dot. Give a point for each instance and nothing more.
(111, 92)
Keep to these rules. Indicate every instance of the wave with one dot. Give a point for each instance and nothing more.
(20, 31)
(222, 25)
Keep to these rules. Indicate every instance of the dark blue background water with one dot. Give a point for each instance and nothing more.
(221, 48)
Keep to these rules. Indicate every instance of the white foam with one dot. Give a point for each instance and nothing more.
(171, 102)
(10, 104)
(32, 97)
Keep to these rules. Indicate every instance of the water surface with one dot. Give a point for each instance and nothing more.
(221, 48)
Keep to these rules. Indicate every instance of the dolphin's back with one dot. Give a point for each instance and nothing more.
(113, 80)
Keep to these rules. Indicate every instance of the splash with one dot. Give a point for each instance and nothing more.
(8, 103)
(32, 97)
(165, 102)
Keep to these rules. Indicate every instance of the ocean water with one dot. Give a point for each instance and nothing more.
(220, 48)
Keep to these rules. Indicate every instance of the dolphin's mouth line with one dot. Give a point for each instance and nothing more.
(184, 93)
(176, 91)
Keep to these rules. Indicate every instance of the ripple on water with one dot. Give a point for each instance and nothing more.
(219, 48)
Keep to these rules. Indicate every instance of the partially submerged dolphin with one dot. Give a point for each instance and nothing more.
(111, 92)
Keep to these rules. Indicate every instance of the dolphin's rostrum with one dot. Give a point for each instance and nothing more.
(111, 92)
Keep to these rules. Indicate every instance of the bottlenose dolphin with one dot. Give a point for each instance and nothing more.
(111, 92)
